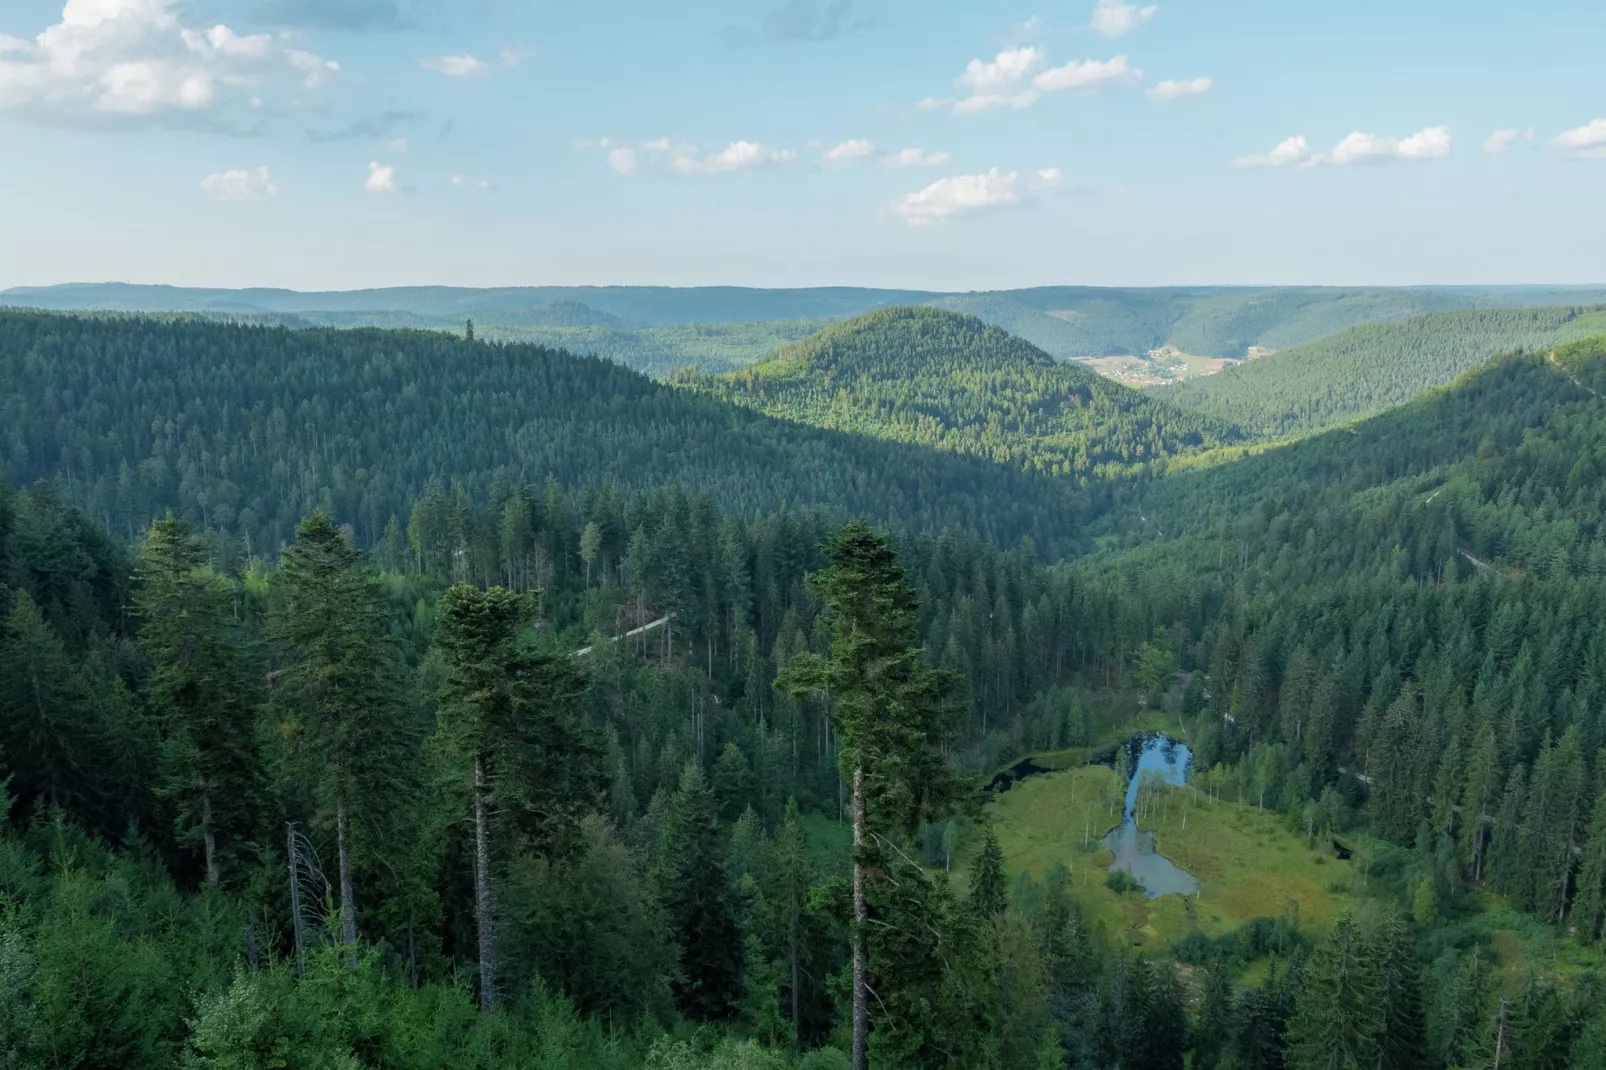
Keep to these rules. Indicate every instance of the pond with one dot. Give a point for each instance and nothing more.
(1135, 851)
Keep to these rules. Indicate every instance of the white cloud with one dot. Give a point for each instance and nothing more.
(455, 66)
(239, 185)
(622, 160)
(1584, 142)
(917, 158)
(1505, 140)
(134, 58)
(1178, 90)
(1088, 75)
(848, 151)
(1113, 18)
(1292, 150)
(1432, 143)
(1015, 78)
(381, 178)
(737, 156)
(398, 144)
(969, 194)
(464, 65)
(464, 182)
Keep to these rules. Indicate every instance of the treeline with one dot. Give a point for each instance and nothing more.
(246, 430)
(1369, 368)
(936, 378)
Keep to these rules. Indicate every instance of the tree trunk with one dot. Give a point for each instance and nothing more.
(348, 906)
(482, 888)
(861, 924)
(208, 837)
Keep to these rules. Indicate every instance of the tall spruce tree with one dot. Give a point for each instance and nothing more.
(338, 690)
(695, 891)
(988, 896)
(886, 706)
(510, 715)
(1337, 1018)
(201, 691)
(1589, 905)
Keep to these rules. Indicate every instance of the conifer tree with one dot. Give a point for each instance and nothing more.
(988, 895)
(509, 715)
(886, 706)
(1337, 1017)
(1589, 905)
(338, 689)
(199, 689)
(695, 891)
(1478, 798)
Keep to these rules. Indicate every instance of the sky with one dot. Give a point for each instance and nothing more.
(936, 144)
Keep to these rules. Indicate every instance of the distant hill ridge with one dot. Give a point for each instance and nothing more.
(1369, 368)
(1064, 321)
(940, 378)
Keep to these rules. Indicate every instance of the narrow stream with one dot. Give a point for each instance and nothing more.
(1135, 851)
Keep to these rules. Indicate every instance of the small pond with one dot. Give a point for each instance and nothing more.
(1134, 851)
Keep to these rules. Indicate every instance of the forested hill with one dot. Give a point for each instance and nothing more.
(1369, 368)
(939, 378)
(245, 430)
(1504, 469)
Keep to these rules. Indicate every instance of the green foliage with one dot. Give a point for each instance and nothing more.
(696, 893)
(1366, 369)
(246, 430)
(935, 378)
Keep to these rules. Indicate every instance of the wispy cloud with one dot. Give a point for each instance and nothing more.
(1018, 78)
(737, 156)
(1431, 143)
(1180, 90)
(803, 22)
(1505, 140)
(1115, 18)
(1293, 150)
(369, 127)
(239, 185)
(464, 182)
(964, 195)
(466, 65)
(917, 158)
(847, 152)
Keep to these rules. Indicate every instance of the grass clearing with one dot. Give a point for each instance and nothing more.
(1249, 862)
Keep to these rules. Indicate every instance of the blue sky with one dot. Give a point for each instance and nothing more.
(975, 145)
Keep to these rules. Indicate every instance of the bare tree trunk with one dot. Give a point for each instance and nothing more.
(348, 906)
(861, 924)
(208, 837)
(482, 889)
(295, 898)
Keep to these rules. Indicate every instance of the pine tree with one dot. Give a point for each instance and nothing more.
(200, 690)
(1589, 906)
(1337, 1018)
(1399, 1034)
(988, 895)
(695, 891)
(508, 713)
(885, 705)
(1478, 797)
(1505, 870)
(338, 690)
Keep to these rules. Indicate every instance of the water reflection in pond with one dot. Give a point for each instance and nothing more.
(1134, 851)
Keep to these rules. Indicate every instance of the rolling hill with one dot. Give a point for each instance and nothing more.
(942, 379)
(1369, 368)
(247, 429)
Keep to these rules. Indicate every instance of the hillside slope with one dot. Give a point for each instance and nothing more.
(938, 378)
(1369, 368)
(1504, 469)
(247, 429)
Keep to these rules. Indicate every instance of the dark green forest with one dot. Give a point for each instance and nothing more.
(503, 733)
(1367, 369)
(247, 430)
(949, 381)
